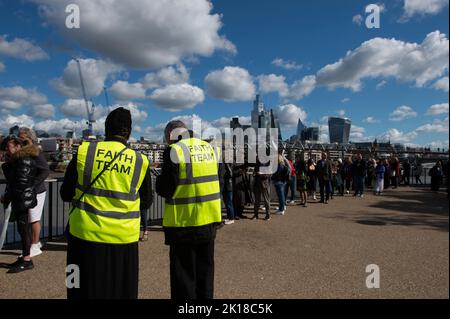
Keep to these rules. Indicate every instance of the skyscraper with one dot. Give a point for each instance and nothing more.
(305, 133)
(261, 118)
(300, 128)
(339, 129)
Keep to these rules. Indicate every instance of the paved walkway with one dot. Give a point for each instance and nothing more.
(317, 252)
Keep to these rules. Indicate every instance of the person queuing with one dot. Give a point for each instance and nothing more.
(292, 183)
(406, 174)
(417, 171)
(261, 189)
(379, 175)
(394, 171)
(226, 186)
(192, 211)
(312, 179)
(279, 179)
(347, 174)
(436, 174)
(42, 172)
(359, 173)
(239, 190)
(20, 173)
(108, 185)
(323, 169)
(338, 181)
(387, 174)
(302, 181)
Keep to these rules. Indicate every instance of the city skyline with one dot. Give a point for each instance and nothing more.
(392, 81)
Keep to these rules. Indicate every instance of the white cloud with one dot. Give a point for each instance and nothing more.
(438, 109)
(13, 98)
(273, 83)
(439, 144)
(77, 108)
(287, 65)
(357, 133)
(230, 84)
(345, 100)
(289, 114)
(396, 136)
(357, 19)
(303, 87)
(381, 84)
(370, 120)
(177, 97)
(21, 49)
(94, 74)
(142, 33)
(124, 91)
(441, 84)
(401, 113)
(156, 132)
(11, 120)
(423, 7)
(166, 76)
(44, 111)
(437, 126)
(137, 115)
(341, 113)
(385, 58)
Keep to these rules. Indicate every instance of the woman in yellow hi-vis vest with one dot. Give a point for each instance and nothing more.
(108, 184)
(189, 182)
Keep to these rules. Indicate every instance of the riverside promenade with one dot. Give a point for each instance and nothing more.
(317, 252)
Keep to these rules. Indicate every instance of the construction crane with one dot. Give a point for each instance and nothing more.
(90, 110)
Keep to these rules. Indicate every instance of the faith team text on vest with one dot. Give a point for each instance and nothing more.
(108, 156)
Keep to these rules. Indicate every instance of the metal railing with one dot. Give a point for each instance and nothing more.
(56, 212)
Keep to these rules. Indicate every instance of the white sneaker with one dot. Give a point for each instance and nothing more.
(35, 250)
(281, 213)
(39, 244)
(229, 222)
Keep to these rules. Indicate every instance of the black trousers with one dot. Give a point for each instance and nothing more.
(24, 230)
(107, 271)
(325, 190)
(192, 270)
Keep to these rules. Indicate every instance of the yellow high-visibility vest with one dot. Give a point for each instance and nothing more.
(109, 212)
(196, 201)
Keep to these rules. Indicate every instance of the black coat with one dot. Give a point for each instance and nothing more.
(20, 173)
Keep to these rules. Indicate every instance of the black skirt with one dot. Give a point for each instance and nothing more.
(107, 271)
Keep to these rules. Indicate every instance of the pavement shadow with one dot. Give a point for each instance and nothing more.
(407, 207)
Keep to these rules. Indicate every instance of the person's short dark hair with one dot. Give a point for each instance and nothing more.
(173, 125)
(118, 123)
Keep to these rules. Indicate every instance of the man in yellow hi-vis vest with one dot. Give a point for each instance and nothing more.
(190, 184)
(107, 184)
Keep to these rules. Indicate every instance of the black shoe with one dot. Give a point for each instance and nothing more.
(254, 217)
(17, 262)
(267, 218)
(22, 266)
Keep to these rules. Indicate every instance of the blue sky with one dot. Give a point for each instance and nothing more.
(308, 59)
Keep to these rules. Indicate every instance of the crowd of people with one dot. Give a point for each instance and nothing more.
(108, 202)
(318, 181)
